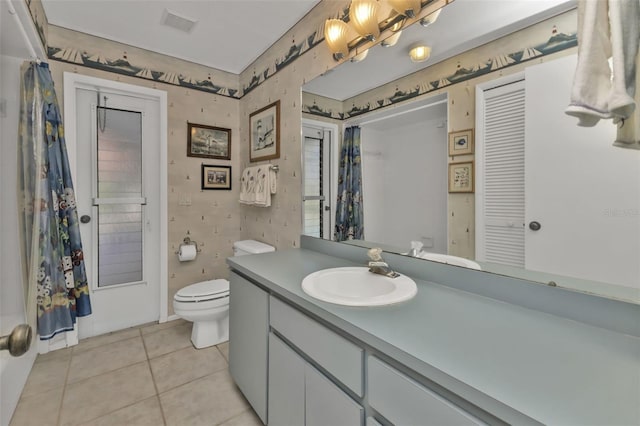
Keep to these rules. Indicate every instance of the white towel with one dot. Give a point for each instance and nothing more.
(592, 79)
(248, 186)
(629, 130)
(258, 183)
(606, 29)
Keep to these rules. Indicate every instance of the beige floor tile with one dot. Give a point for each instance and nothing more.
(206, 401)
(55, 355)
(105, 358)
(47, 375)
(145, 413)
(248, 418)
(105, 339)
(180, 367)
(167, 340)
(100, 395)
(37, 410)
(152, 328)
(224, 348)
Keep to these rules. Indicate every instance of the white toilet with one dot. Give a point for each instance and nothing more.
(207, 303)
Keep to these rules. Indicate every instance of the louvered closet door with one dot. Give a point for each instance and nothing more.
(500, 175)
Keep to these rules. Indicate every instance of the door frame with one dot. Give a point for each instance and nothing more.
(481, 88)
(73, 82)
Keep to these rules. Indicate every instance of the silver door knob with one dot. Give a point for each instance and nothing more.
(85, 218)
(18, 342)
(535, 226)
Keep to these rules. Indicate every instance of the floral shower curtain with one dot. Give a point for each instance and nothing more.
(55, 276)
(349, 215)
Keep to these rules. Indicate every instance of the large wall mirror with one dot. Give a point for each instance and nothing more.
(581, 192)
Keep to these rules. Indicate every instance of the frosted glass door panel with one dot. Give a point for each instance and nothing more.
(119, 153)
(119, 244)
(312, 218)
(119, 197)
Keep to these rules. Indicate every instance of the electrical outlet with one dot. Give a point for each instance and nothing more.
(185, 199)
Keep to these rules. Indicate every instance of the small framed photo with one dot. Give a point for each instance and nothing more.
(461, 177)
(208, 142)
(264, 140)
(461, 142)
(216, 177)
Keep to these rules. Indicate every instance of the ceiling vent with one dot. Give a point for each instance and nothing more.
(182, 23)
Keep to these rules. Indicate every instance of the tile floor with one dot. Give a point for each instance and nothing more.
(148, 375)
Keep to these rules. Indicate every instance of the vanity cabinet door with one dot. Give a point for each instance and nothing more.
(248, 341)
(326, 404)
(286, 384)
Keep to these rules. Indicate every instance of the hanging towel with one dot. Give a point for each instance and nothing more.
(607, 29)
(258, 183)
(628, 135)
(248, 186)
(273, 181)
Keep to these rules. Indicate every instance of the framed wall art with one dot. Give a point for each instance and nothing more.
(461, 143)
(461, 178)
(216, 177)
(208, 142)
(264, 140)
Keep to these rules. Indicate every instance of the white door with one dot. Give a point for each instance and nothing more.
(117, 186)
(500, 172)
(316, 181)
(584, 192)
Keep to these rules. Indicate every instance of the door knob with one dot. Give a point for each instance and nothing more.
(18, 342)
(85, 218)
(535, 226)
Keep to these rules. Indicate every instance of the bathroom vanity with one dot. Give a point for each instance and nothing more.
(469, 348)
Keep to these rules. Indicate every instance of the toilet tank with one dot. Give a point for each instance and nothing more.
(241, 248)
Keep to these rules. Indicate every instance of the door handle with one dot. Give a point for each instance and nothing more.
(18, 342)
(535, 226)
(85, 218)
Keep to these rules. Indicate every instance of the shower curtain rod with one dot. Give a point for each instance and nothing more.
(374, 120)
(32, 51)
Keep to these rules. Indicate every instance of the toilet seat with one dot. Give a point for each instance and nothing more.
(203, 291)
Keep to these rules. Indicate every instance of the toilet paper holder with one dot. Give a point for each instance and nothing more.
(189, 242)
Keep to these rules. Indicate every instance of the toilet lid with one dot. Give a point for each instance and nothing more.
(205, 290)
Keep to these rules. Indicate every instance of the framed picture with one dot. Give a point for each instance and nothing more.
(461, 178)
(216, 177)
(208, 142)
(264, 140)
(461, 142)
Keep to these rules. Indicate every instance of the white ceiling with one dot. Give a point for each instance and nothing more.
(229, 34)
(462, 25)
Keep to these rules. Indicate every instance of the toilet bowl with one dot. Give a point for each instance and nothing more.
(206, 304)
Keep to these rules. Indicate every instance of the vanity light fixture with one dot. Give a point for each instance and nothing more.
(393, 39)
(408, 8)
(361, 27)
(335, 33)
(420, 53)
(360, 56)
(430, 19)
(363, 14)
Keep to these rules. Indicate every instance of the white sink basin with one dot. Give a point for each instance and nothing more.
(356, 286)
(448, 259)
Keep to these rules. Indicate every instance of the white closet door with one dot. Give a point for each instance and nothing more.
(500, 175)
(583, 191)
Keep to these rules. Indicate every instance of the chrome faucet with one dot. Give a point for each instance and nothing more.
(377, 265)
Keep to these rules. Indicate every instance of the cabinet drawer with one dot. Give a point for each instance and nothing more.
(334, 353)
(403, 401)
